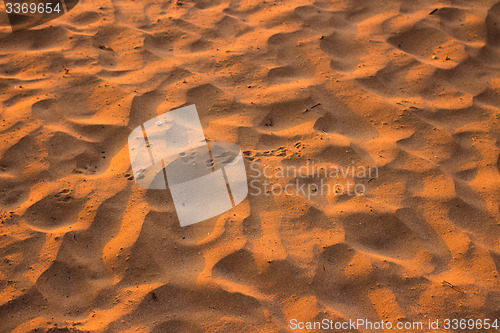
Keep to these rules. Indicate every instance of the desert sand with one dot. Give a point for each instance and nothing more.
(365, 82)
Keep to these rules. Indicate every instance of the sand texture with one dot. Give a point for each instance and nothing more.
(341, 82)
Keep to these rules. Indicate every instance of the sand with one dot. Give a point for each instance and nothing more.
(359, 82)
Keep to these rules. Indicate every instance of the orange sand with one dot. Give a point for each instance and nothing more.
(84, 249)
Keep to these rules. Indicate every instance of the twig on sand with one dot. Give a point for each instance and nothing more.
(447, 284)
(106, 48)
(312, 107)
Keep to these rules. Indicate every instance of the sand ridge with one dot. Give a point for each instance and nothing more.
(83, 249)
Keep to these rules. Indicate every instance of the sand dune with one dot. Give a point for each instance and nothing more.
(364, 82)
